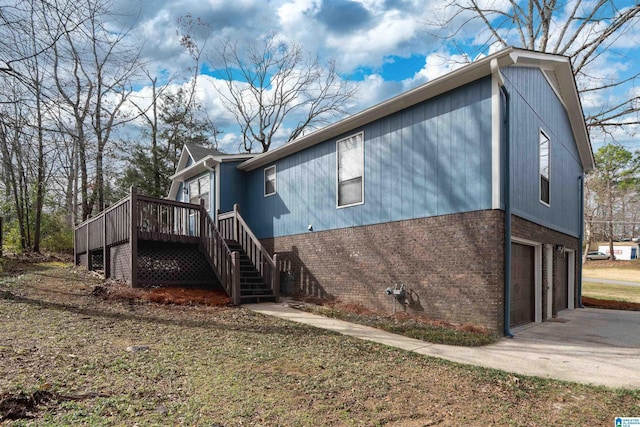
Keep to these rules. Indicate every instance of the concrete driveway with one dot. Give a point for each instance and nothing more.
(589, 346)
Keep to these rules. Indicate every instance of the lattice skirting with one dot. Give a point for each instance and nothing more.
(97, 260)
(120, 258)
(173, 264)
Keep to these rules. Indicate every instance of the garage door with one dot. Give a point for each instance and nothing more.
(522, 284)
(560, 291)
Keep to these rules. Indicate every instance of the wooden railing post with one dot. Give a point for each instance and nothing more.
(203, 212)
(236, 224)
(89, 263)
(133, 235)
(106, 253)
(276, 277)
(235, 285)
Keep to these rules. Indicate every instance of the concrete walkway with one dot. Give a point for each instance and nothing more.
(610, 282)
(589, 346)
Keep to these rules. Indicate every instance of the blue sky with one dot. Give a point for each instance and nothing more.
(384, 47)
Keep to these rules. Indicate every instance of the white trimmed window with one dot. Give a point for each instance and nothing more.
(200, 189)
(350, 188)
(270, 181)
(545, 151)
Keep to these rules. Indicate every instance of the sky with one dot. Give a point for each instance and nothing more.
(384, 47)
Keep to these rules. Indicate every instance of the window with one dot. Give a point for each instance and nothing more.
(545, 150)
(350, 170)
(199, 189)
(270, 181)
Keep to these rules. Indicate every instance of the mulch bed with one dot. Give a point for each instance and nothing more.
(163, 295)
(613, 305)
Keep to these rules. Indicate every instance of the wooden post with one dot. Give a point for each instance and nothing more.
(106, 252)
(236, 211)
(133, 235)
(87, 228)
(203, 212)
(276, 277)
(235, 285)
(75, 245)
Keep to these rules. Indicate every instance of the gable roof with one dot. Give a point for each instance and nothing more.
(202, 159)
(198, 152)
(557, 69)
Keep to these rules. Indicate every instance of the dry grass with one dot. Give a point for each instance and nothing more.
(628, 271)
(608, 291)
(90, 360)
(419, 327)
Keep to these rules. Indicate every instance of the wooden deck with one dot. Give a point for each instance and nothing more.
(113, 238)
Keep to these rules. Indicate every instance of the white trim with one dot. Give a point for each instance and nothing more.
(541, 132)
(509, 56)
(217, 173)
(537, 275)
(496, 142)
(549, 274)
(361, 202)
(571, 273)
(275, 181)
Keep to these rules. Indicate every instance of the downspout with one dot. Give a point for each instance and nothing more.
(507, 199)
(581, 181)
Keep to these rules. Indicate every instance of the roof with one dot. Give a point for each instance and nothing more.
(203, 159)
(198, 152)
(557, 69)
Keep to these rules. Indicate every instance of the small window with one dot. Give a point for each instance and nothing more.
(545, 151)
(270, 181)
(350, 170)
(199, 189)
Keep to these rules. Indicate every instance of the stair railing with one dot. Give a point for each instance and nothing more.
(233, 227)
(225, 263)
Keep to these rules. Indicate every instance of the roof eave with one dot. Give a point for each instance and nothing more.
(450, 81)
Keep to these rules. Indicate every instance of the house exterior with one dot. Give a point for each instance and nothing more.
(459, 200)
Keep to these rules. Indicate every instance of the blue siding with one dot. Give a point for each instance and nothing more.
(535, 107)
(231, 186)
(430, 159)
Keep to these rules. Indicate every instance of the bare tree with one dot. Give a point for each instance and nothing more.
(29, 141)
(16, 19)
(93, 69)
(581, 30)
(271, 81)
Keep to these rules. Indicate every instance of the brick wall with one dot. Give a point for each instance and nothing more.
(451, 266)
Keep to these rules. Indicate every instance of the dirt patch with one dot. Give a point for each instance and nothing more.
(610, 304)
(25, 406)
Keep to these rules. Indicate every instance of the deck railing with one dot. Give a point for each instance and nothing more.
(225, 263)
(160, 220)
(232, 226)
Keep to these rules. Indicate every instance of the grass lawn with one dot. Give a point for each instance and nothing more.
(87, 360)
(613, 270)
(611, 292)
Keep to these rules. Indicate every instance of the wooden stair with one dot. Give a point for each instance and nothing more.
(253, 289)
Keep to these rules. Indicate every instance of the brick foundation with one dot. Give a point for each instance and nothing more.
(451, 265)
